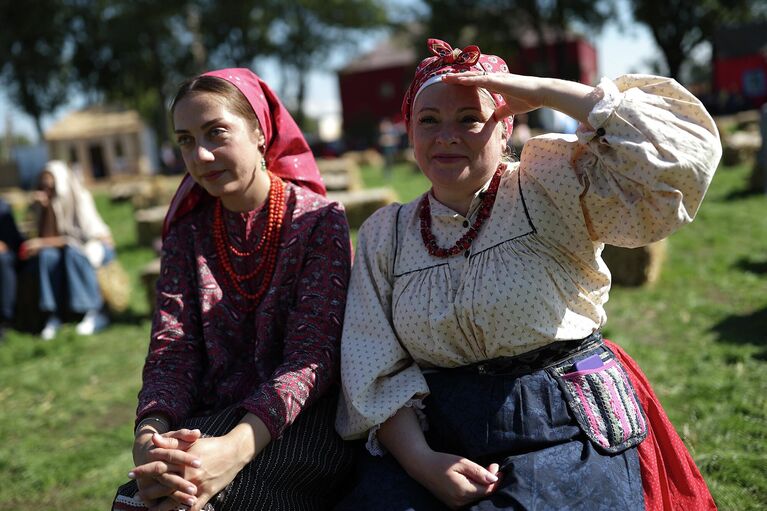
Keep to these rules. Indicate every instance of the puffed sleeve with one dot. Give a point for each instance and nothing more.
(640, 168)
(313, 330)
(174, 362)
(378, 375)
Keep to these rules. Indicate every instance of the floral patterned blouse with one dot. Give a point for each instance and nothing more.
(534, 275)
(206, 354)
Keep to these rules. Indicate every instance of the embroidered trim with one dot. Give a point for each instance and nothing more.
(375, 448)
(611, 98)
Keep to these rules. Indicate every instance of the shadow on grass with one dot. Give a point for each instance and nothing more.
(748, 265)
(743, 193)
(746, 329)
(129, 317)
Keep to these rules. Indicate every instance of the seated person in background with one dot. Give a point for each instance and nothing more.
(72, 242)
(10, 241)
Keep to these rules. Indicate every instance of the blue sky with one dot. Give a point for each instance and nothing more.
(619, 52)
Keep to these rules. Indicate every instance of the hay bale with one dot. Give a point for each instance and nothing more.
(635, 266)
(115, 286)
(17, 198)
(159, 192)
(741, 147)
(361, 204)
(149, 275)
(149, 224)
(368, 157)
(27, 317)
(9, 175)
(340, 174)
(757, 181)
(126, 190)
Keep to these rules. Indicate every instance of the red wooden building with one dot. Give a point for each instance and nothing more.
(372, 87)
(740, 67)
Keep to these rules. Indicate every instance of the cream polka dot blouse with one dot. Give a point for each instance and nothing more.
(535, 273)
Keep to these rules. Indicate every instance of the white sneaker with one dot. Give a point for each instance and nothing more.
(92, 322)
(51, 327)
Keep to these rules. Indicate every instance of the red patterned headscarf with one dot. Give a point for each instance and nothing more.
(447, 60)
(287, 154)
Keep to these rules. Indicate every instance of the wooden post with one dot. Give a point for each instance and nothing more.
(761, 156)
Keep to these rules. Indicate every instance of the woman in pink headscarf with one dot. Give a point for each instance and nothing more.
(237, 402)
(472, 361)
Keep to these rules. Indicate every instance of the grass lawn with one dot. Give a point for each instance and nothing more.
(700, 334)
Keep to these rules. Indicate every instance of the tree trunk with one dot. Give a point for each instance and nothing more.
(302, 77)
(39, 128)
(675, 56)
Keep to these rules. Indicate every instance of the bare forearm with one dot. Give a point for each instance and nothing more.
(250, 436)
(572, 98)
(403, 438)
(454, 480)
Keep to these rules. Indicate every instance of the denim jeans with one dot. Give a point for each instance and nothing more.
(67, 281)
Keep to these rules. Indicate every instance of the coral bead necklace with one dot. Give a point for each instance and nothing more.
(268, 245)
(466, 240)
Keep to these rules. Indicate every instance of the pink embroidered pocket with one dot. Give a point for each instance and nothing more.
(604, 404)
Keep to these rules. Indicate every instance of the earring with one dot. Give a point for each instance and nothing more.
(263, 165)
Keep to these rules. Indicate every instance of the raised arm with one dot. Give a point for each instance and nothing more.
(527, 93)
(639, 168)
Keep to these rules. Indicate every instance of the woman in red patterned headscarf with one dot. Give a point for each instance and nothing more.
(472, 359)
(236, 407)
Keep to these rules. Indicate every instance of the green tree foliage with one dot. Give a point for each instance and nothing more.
(236, 33)
(133, 52)
(136, 52)
(678, 26)
(33, 55)
(306, 31)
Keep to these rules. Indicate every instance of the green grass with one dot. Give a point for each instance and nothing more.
(700, 334)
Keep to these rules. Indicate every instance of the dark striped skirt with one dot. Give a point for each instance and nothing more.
(304, 470)
(564, 436)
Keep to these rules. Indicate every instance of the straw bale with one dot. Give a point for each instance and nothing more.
(149, 224)
(361, 204)
(635, 266)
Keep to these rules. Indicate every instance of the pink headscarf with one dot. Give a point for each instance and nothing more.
(287, 153)
(447, 60)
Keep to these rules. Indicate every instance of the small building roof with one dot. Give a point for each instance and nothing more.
(95, 122)
(392, 52)
(741, 40)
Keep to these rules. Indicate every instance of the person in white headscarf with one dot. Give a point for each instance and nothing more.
(72, 242)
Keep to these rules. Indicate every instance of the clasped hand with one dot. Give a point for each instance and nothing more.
(455, 480)
(180, 467)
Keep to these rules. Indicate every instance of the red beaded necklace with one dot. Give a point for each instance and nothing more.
(466, 240)
(269, 243)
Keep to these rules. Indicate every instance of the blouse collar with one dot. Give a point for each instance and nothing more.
(439, 210)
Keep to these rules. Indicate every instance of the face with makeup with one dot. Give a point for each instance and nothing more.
(457, 142)
(221, 150)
